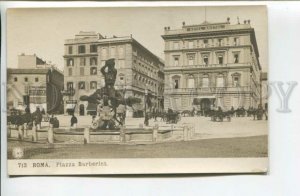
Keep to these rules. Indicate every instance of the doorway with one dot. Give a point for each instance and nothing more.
(205, 104)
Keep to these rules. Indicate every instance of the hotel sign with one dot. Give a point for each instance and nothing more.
(203, 28)
(37, 91)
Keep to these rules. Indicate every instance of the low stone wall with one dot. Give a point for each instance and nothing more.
(86, 135)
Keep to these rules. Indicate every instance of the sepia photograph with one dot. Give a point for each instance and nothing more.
(137, 90)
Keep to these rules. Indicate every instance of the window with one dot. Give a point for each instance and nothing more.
(104, 53)
(93, 48)
(205, 60)
(81, 49)
(15, 79)
(121, 51)
(236, 81)
(191, 44)
(93, 71)
(26, 79)
(36, 79)
(70, 71)
(82, 71)
(191, 59)
(205, 81)
(70, 62)
(220, 81)
(81, 85)
(236, 58)
(176, 45)
(82, 61)
(220, 59)
(121, 64)
(93, 85)
(70, 85)
(70, 50)
(176, 83)
(176, 61)
(112, 51)
(235, 41)
(191, 82)
(205, 43)
(93, 61)
(220, 42)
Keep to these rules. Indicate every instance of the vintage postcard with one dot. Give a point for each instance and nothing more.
(137, 90)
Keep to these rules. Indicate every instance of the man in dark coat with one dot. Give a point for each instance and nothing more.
(74, 120)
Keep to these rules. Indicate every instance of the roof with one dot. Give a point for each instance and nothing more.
(27, 71)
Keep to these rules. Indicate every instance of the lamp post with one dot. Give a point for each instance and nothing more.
(146, 121)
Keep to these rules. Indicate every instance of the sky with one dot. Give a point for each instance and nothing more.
(42, 31)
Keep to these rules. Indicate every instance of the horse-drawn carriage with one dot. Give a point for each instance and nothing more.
(219, 115)
(173, 117)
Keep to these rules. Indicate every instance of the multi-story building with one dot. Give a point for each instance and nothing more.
(35, 84)
(210, 65)
(138, 69)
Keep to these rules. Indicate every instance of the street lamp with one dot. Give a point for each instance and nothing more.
(146, 121)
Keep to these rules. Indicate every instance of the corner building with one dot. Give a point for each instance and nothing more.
(210, 65)
(138, 69)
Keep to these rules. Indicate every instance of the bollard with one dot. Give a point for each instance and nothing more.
(86, 135)
(185, 133)
(122, 134)
(155, 132)
(50, 134)
(25, 130)
(20, 132)
(34, 133)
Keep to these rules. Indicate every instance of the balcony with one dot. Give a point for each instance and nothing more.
(208, 90)
(189, 67)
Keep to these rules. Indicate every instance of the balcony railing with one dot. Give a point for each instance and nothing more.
(209, 90)
(203, 66)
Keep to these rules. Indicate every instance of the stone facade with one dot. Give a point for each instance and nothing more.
(211, 65)
(36, 88)
(138, 69)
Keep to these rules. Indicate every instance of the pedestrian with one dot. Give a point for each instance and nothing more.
(51, 121)
(55, 123)
(74, 121)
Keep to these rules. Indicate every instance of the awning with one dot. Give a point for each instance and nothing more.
(91, 107)
(197, 100)
(70, 106)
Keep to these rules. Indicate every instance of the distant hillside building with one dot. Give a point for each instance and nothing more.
(138, 69)
(34, 83)
(210, 65)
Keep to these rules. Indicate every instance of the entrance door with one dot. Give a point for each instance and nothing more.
(81, 110)
(205, 104)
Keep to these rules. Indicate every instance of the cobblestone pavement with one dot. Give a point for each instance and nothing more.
(203, 126)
